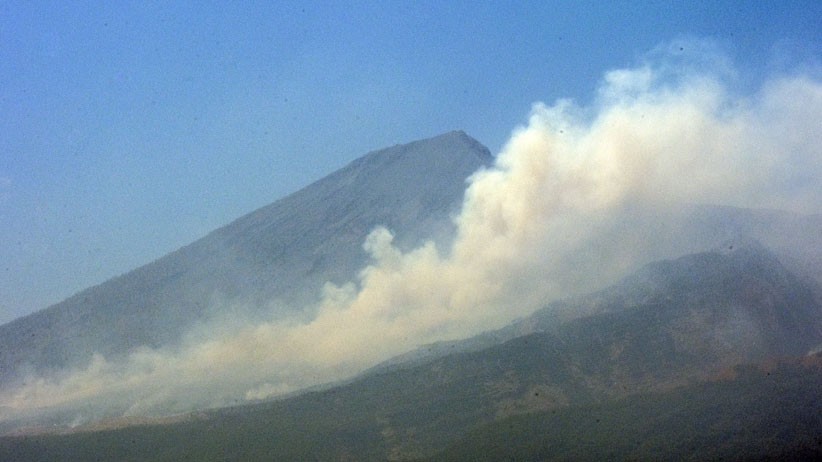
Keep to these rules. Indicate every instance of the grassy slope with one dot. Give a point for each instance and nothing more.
(761, 415)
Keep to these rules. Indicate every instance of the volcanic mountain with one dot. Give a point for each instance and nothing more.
(272, 262)
(711, 287)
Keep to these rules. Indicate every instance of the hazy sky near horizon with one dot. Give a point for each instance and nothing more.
(130, 129)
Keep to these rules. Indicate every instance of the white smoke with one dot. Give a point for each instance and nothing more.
(543, 222)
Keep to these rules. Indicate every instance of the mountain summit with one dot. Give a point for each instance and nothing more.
(271, 262)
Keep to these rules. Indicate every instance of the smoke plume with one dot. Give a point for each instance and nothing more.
(547, 220)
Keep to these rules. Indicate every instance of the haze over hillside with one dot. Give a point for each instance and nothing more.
(662, 343)
(269, 264)
(578, 198)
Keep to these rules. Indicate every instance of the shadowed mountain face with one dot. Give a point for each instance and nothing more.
(269, 263)
(660, 347)
(739, 303)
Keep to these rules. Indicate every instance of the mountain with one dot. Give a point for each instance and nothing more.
(274, 261)
(652, 363)
(271, 262)
(767, 412)
(671, 323)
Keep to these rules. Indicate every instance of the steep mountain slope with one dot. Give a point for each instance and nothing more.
(771, 412)
(663, 330)
(267, 263)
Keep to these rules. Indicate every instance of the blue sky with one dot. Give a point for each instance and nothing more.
(130, 129)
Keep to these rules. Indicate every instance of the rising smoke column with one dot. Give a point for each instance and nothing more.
(539, 224)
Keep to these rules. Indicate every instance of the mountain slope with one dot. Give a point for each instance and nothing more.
(761, 413)
(268, 263)
(666, 329)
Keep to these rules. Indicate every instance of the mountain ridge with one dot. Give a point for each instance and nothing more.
(272, 261)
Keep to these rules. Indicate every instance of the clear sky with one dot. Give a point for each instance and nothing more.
(130, 129)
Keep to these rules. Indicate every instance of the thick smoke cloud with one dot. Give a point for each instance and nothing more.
(548, 220)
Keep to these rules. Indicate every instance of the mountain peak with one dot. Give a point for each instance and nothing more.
(449, 147)
(279, 255)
